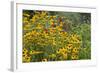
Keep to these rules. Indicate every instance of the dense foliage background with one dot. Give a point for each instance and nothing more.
(56, 36)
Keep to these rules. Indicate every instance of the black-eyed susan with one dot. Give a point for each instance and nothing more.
(58, 51)
(64, 50)
(44, 60)
(27, 59)
(69, 47)
(69, 50)
(74, 57)
(75, 50)
(25, 51)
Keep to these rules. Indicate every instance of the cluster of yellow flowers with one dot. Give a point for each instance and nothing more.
(45, 33)
(69, 52)
(27, 54)
(26, 57)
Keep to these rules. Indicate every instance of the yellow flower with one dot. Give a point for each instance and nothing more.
(61, 24)
(75, 50)
(43, 13)
(25, 51)
(75, 38)
(44, 60)
(64, 50)
(39, 26)
(52, 31)
(61, 51)
(27, 15)
(51, 17)
(57, 51)
(27, 59)
(27, 34)
(65, 56)
(25, 55)
(54, 42)
(69, 47)
(58, 28)
(34, 18)
(74, 57)
(69, 50)
(33, 32)
(46, 35)
(54, 16)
